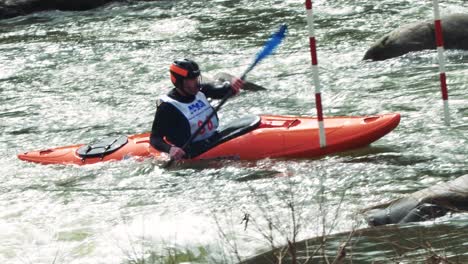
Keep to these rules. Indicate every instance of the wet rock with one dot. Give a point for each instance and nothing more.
(422, 205)
(420, 36)
(12, 8)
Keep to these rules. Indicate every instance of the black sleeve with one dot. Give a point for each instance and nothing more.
(159, 129)
(171, 124)
(215, 91)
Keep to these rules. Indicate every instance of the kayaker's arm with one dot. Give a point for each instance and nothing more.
(157, 137)
(159, 144)
(163, 126)
(215, 91)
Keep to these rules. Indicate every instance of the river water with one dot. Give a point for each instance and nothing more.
(70, 78)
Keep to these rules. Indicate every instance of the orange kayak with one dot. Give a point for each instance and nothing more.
(251, 138)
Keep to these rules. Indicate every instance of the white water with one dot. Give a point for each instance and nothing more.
(71, 78)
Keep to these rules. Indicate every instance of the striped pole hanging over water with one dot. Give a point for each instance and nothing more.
(440, 50)
(313, 53)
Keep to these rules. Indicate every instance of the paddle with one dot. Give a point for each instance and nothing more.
(267, 49)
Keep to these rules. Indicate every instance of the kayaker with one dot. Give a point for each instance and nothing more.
(181, 111)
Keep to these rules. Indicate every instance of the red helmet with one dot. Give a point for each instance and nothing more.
(183, 69)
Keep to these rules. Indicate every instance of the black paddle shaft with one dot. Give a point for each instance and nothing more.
(215, 110)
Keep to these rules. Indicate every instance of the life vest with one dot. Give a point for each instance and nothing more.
(196, 113)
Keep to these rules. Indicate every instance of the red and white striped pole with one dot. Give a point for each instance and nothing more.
(440, 50)
(313, 53)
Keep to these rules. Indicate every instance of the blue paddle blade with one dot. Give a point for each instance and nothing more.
(272, 43)
(268, 48)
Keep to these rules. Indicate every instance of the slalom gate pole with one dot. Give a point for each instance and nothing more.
(313, 53)
(440, 50)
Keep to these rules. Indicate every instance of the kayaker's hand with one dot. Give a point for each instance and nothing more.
(176, 153)
(236, 85)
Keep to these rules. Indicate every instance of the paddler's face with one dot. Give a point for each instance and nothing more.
(192, 86)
